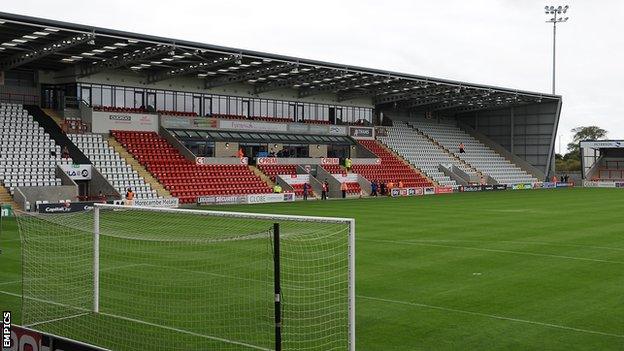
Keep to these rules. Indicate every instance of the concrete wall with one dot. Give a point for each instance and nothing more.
(222, 151)
(98, 182)
(318, 151)
(32, 194)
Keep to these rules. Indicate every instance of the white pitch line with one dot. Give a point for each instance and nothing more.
(140, 322)
(403, 242)
(11, 282)
(494, 316)
(546, 243)
(58, 319)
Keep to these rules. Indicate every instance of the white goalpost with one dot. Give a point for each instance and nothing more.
(130, 278)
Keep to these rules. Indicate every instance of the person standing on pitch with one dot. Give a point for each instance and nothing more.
(325, 189)
(374, 186)
(343, 188)
(129, 197)
(306, 189)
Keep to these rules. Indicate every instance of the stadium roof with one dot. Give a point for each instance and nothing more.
(42, 44)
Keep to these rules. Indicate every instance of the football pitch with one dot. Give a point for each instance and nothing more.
(514, 270)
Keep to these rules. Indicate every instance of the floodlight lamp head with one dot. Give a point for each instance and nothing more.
(546, 8)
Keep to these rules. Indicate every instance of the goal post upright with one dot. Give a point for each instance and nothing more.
(96, 259)
(351, 285)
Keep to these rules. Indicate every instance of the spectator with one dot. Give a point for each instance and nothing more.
(325, 189)
(65, 152)
(101, 197)
(390, 185)
(306, 189)
(343, 188)
(129, 197)
(382, 187)
(554, 179)
(483, 182)
(374, 187)
(461, 148)
(400, 184)
(240, 153)
(348, 164)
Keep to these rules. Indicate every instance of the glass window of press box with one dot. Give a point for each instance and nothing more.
(210, 104)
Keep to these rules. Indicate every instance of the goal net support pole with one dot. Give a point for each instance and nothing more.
(96, 259)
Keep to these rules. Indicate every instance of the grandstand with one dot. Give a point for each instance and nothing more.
(177, 112)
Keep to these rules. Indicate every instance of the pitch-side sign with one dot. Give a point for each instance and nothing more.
(330, 161)
(407, 192)
(77, 172)
(65, 207)
(169, 202)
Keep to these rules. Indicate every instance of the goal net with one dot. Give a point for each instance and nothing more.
(131, 278)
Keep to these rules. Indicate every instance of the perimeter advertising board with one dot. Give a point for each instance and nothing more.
(169, 202)
(65, 207)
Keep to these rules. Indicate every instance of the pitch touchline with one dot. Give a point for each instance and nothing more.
(135, 321)
(440, 308)
(402, 242)
(523, 242)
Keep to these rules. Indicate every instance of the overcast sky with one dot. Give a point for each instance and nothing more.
(497, 42)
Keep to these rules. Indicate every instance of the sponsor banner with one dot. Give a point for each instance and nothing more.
(381, 131)
(471, 188)
(566, 185)
(349, 177)
(252, 126)
(601, 184)
(548, 185)
(395, 192)
(522, 186)
(487, 187)
(295, 178)
(221, 200)
(500, 186)
(188, 122)
(24, 339)
(337, 130)
(170, 202)
(104, 122)
(443, 190)
(429, 190)
(66, 207)
(266, 198)
(606, 144)
(362, 132)
(6, 211)
(77, 172)
(219, 161)
(266, 160)
(330, 160)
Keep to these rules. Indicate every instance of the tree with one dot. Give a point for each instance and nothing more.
(584, 133)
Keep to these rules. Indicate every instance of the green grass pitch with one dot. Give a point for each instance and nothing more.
(515, 270)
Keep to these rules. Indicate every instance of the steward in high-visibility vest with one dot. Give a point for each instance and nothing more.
(277, 189)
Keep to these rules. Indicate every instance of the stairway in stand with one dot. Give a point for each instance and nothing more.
(153, 182)
(6, 198)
